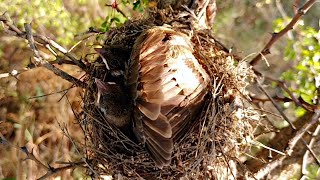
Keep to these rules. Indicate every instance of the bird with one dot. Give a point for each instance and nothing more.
(167, 85)
(164, 89)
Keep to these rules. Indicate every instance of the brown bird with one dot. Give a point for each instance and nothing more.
(167, 85)
(114, 102)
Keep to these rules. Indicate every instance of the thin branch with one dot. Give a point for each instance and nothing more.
(290, 146)
(268, 168)
(13, 73)
(31, 156)
(275, 36)
(53, 93)
(298, 136)
(299, 133)
(115, 6)
(61, 61)
(45, 41)
(50, 170)
(257, 143)
(62, 50)
(277, 98)
(275, 104)
(306, 155)
(46, 64)
(66, 133)
(12, 27)
(225, 159)
(298, 101)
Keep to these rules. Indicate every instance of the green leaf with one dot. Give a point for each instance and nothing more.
(299, 112)
(137, 6)
(115, 19)
(313, 171)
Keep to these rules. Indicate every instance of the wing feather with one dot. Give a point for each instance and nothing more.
(160, 126)
(150, 110)
(164, 79)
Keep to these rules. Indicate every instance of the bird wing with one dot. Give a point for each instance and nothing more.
(168, 85)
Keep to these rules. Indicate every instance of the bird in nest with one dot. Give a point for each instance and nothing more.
(164, 90)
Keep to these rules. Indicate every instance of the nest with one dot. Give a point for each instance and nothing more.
(214, 141)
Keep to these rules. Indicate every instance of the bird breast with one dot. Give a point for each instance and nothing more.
(168, 85)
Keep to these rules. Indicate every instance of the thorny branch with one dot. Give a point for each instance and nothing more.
(275, 36)
(49, 44)
(298, 133)
(293, 141)
(115, 6)
(304, 170)
(298, 101)
(275, 104)
(50, 170)
(66, 133)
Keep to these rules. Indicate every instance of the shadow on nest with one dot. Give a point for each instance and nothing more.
(214, 140)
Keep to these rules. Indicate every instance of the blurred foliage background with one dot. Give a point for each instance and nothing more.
(28, 118)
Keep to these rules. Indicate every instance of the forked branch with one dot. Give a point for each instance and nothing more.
(277, 35)
(51, 46)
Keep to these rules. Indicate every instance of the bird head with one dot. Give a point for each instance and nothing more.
(105, 88)
(113, 102)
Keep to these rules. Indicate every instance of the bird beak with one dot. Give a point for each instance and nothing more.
(102, 87)
(100, 51)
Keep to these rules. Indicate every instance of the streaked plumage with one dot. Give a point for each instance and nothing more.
(167, 85)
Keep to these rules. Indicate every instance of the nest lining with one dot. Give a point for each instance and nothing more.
(213, 139)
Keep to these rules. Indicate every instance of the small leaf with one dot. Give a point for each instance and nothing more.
(299, 112)
(137, 6)
(115, 19)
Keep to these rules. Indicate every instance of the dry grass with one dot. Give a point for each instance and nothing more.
(35, 123)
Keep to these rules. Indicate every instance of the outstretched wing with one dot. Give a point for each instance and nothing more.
(168, 85)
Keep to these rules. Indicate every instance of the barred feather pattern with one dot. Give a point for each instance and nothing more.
(168, 86)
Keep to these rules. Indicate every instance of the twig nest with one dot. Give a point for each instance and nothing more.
(211, 141)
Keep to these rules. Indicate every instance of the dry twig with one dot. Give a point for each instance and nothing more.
(275, 104)
(292, 142)
(49, 44)
(277, 35)
(47, 65)
(304, 170)
(298, 101)
(115, 6)
(50, 170)
(45, 41)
